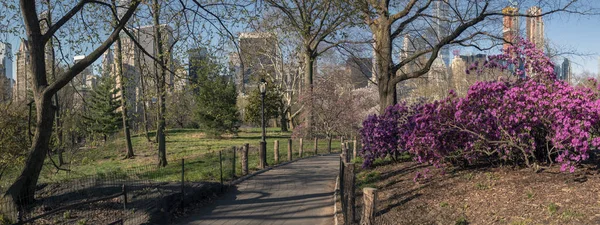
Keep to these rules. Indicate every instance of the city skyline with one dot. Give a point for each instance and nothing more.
(558, 29)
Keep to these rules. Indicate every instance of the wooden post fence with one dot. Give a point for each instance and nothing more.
(276, 151)
(354, 149)
(347, 182)
(289, 149)
(369, 206)
(233, 164)
(329, 144)
(182, 183)
(301, 149)
(316, 145)
(245, 159)
(221, 168)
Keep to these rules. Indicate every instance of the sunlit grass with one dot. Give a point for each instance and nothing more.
(199, 152)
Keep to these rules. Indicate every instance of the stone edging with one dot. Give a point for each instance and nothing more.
(241, 179)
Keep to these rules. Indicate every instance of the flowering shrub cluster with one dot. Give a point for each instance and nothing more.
(529, 121)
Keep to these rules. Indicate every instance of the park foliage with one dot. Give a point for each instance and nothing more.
(103, 118)
(528, 119)
(216, 110)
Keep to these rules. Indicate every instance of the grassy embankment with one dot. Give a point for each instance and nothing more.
(200, 154)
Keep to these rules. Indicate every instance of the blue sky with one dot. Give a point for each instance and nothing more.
(576, 33)
(571, 33)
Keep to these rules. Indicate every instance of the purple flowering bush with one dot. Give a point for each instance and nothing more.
(532, 120)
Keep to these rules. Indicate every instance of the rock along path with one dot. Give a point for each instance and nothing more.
(297, 193)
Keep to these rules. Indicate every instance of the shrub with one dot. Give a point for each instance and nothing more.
(529, 120)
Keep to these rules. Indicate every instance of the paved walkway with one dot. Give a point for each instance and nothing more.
(296, 193)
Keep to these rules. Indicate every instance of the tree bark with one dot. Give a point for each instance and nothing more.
(284, 121)
(383, 61)
(124, 116)
(23, 189)
(145, 115)
(160, 131)
(308, 82)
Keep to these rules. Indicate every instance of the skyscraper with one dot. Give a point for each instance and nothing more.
(566, 71)
(81, 79)
(557, 71)
(410, 47)
(138, 66)
(198, 59)
(441, 27)
(22, 90)
(259, 56)
(5, 71)
(136, 63)
(535, 27)
(510, 30)
(360, 71)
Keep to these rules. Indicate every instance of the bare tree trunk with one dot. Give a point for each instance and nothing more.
(160, 131)
(59, 133)
(308, 82)
(23, 189)
(145, 108)
(283, 121)
(290, 119)
(144, 102)
(384, 63)
(124, 116)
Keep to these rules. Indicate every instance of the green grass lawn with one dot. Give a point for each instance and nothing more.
(201, 155)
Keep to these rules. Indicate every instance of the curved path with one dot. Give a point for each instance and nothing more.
(297, 193)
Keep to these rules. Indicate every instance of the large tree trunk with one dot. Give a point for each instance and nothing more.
(144, 107)
(124, 116)
(284, 121)
(309, 60)
(162, 153)
(383, 61)
(23, 189)
(160, 131)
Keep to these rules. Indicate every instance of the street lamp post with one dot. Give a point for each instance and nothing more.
(263, 143)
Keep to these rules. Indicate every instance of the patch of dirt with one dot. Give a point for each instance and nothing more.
(501, 195)
(147, 202)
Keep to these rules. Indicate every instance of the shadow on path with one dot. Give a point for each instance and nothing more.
(296, 193)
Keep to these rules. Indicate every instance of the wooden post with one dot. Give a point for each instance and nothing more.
(316, 145)
(290, 149)
(221, 167)
(262, 155)
(245, 159)
(329, 144)
(301, 149)
(347, 151)
(233, 164)
(349, 192)
(182, 182)
(354, 149)
(124, 197)
(369, 206)
(341, 144)
(276, 151)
